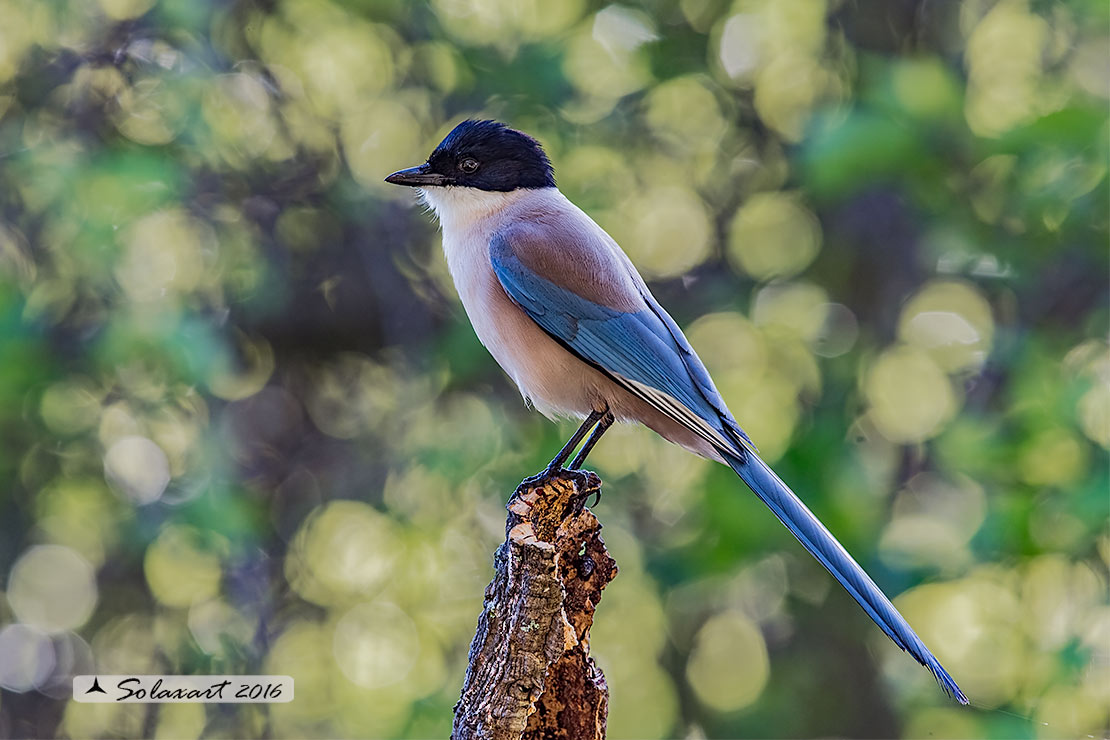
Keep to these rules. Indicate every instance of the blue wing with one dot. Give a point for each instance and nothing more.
(646, 352)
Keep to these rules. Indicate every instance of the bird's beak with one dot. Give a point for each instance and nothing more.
(417, 177)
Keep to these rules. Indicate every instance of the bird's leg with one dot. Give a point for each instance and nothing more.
(557, 464)
(580, 459)
(605, 423)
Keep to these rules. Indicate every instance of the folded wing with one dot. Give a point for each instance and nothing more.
(645, 351)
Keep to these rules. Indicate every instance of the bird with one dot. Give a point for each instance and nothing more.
(566, 314)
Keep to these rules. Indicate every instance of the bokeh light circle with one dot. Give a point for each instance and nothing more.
(344, 548)
(670, 231)
(773, 235)
(52, 588)
(728, 666)
(376, 644)
(911, 398)
(26, 657)
(952, 322)
(138, 468)
(182, 566)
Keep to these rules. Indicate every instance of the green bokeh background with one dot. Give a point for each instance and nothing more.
(245, 426)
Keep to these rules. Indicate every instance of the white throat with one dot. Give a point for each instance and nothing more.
(459, 208)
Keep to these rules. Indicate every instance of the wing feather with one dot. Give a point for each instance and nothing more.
(641, 350)
(645, 352)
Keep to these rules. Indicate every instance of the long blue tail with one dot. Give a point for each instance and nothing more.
(819, 541)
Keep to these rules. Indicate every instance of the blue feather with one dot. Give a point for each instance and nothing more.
(648, 348)
(633, 346)
(816, 538)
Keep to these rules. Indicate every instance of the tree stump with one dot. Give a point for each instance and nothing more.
(530, 674)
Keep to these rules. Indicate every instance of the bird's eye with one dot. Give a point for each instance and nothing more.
(468, 165)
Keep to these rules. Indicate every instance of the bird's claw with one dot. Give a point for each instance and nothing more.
(596, 493)
(586, 481)
(550, 473)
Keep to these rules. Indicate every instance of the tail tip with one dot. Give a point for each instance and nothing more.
(948, 684)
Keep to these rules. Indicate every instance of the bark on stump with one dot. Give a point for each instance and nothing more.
(530, 674)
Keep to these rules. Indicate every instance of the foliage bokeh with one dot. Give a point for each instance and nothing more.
(247, 428)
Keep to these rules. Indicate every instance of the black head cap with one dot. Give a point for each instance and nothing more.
(487, 155)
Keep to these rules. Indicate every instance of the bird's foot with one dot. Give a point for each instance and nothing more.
(596, 493)
(550, 473)
(586, 479)
(586, 482)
